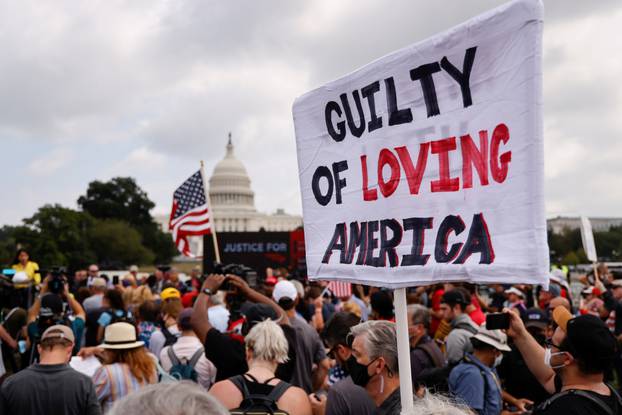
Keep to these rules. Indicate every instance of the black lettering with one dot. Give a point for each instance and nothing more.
(338, 242)
(449, 224)
(356, 130)
(418, 226)
(387, 246)
(368, 93)
(463, 78)
(424, 73)
(340, 133)
(338, 167)
(396, 116)
(322, 171)
(372, 242)
(358, 239)
(477, 241)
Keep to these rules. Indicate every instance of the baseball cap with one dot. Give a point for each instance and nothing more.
(133, 268)
(494, 338)
(59, 331)
(555, 290)
(589, 338)
(51, 304)
(535, 317)
(170, 293)
(454, 297)
(284, 289)
(514, 290)
(98, 282)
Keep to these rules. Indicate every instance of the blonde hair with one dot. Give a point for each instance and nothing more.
(267, 342)
(172, 307)
(141, 364)
(352, 307)
(134, 297)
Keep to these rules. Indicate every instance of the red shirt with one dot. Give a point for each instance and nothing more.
(437, 296)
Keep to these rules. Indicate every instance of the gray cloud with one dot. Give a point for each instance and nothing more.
(149, 88)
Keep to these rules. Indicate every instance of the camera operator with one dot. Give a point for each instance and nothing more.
(48, 310)
(225, 351)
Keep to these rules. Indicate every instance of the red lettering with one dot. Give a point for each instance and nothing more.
(387, 158)
(471, 156)
(445, 183)
(368, 194)
(413, 175)
(499, 169)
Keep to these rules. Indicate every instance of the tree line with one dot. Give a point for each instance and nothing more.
(566, 247)
(113, 227)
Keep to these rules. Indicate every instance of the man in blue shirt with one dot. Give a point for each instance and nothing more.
(474, 380)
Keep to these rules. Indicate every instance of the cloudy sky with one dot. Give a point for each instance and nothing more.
(98, 89)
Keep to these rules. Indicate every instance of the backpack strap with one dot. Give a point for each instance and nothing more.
(466, 326)
(171, 355)
(238, 381)
(594, 399)
(429, 351)
(195, 357)
(278, 391)
(617, 395)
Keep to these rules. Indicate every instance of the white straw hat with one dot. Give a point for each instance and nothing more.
(120, 336)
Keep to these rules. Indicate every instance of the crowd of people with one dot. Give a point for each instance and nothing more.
(89, 344)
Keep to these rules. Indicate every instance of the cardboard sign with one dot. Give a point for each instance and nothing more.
(587, 237)
(427, 164)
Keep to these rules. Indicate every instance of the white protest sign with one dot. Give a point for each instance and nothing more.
(587, 237)
(427, 164)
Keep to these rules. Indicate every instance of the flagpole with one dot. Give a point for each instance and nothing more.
(403, 350)
(211, 216)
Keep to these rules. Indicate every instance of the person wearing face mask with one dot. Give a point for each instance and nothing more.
(518, 380)
(424, 353)
(572, 364)
(475, 380)
(344, 397)
(375, 367)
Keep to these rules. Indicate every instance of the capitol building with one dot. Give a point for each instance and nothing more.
(232, 200)
(232, 203)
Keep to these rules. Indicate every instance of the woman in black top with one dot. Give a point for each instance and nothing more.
(266, 347)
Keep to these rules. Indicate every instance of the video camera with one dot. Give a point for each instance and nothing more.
(246, 273)
(57, 280)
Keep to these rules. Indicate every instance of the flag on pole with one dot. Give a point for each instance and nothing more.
(190, 213)
(340, 289)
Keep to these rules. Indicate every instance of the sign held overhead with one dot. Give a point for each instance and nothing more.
(427, 164)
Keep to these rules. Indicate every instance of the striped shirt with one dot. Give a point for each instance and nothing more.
(113, 382)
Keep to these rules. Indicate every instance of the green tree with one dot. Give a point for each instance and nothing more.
(56, 235)
(118, 244)
(122, 199)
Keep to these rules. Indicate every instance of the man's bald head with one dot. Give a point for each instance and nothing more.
(557, 301)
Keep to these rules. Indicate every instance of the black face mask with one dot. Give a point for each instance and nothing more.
(358, 372)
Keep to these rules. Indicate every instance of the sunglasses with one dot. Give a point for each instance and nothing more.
(549, 342)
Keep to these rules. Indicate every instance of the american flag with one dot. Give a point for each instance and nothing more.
(190, 214)
(340, 289)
